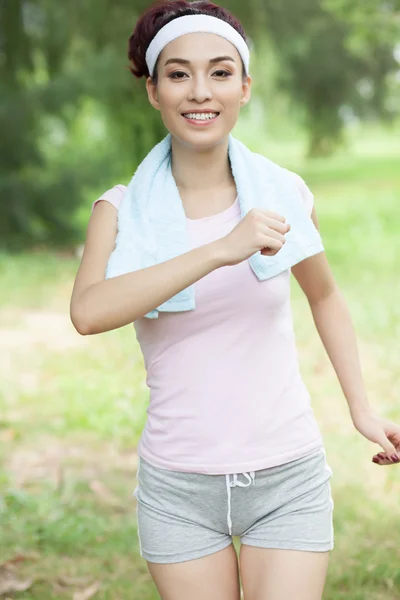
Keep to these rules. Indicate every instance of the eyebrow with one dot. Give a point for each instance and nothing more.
(183, 61)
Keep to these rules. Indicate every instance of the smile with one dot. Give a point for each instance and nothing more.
(200, 118)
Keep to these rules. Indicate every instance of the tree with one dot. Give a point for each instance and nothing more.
(60, 62)
(53, 58)
(327, 48)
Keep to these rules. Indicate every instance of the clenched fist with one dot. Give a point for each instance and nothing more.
(260, 230)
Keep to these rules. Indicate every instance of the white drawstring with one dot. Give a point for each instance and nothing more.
(251, 479)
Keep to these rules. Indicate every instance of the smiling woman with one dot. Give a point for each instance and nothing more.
(230, 446)
(204, 72)
(233, 357)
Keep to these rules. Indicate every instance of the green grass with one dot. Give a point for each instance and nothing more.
(72, 408)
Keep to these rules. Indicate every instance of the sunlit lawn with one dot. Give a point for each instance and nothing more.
(72, 408)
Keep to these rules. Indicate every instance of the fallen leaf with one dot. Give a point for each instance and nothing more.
(66, 581)
(89, 592)
(9, 583)
(19, 558)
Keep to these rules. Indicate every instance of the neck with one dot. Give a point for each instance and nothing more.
(201, 170)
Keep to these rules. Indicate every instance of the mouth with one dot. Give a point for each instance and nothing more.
(200, 118)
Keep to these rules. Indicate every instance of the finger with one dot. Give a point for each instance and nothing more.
(384, 463)
(278, 226)
(272, 234)
(276, 221)
(388, 459)
(382, 459)
(388, 447)
(273, 215)
(382, 456)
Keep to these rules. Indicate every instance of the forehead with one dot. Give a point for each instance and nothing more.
(199, 47)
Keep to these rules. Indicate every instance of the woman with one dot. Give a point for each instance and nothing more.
(230, 446)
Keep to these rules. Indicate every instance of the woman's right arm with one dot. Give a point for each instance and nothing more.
(99, 304)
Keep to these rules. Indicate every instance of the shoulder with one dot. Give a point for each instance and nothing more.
(113, 196)
(305, 192)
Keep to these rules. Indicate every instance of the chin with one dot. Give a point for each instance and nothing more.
(201, 142)
(198, 139)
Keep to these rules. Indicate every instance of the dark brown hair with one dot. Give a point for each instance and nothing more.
(161, 13)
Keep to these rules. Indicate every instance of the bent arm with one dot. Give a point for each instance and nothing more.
(99, 305)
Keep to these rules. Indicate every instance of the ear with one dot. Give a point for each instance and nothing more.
(152, 93)
(246, 90)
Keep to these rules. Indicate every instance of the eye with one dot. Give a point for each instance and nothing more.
(176, 73)
(225, 73)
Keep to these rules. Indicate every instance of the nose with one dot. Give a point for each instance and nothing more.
(200, 89)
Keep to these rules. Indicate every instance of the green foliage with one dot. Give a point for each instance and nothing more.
(54, 59)
(330, 60)
(73, 120)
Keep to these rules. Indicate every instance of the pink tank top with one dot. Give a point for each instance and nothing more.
(225, 391)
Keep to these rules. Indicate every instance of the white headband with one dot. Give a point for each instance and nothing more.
(195, 24)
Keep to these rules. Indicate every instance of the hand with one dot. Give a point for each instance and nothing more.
(259, 231)
(381, 431)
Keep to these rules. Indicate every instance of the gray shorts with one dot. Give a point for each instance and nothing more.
(183, 516)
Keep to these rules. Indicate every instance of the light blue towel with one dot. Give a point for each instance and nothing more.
(152, 221)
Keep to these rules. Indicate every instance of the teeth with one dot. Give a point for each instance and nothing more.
(200, 116)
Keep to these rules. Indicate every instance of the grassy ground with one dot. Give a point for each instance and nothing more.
(72, 408)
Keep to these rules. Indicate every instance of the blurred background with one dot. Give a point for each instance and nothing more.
(73, 123)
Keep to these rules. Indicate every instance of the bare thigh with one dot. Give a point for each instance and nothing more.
(272, 574)
(215, 577)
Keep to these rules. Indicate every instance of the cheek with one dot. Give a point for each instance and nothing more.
(171, 99)
(230, 96)
(170, 90)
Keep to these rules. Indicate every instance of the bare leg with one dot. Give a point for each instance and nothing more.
(214, 577)
(272, 574)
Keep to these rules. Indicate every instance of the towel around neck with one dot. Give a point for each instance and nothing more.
(152, 221)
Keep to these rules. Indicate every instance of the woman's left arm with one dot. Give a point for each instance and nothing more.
(334, 325)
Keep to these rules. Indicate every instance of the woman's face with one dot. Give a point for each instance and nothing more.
(188, 82)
